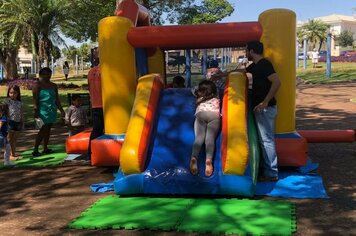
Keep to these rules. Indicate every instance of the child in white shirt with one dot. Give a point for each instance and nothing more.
(76, 116)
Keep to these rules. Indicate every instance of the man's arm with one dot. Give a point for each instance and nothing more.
(276, 83)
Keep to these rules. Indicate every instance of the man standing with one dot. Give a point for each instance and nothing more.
(94, 82)
(264, 87)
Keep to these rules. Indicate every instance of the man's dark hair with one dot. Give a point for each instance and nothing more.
(45, 70)
(213, 64)
(75, 96)
(256, 46)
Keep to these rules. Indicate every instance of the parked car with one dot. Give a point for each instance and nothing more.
(350, 53)
(322, 54)
(301, 56)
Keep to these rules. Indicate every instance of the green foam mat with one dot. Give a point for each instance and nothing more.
(233, 216)
(52, 159)
(229, 216)
(132, 213)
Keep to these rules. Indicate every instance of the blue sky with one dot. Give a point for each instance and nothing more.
(249, 10)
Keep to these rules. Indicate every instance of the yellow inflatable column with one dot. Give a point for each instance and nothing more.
(235, 149)
(133, 153)
(118, 71)
(278, 38)
(156, 63)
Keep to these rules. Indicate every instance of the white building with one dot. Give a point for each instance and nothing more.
(24, 57)
(338, 24)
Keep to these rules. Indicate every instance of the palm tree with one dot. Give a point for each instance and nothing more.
(34, 23)
(8, 55)
(316, 32)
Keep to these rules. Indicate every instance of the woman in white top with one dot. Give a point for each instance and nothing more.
(66, 69)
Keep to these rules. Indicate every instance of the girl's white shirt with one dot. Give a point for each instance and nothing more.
(211, 105)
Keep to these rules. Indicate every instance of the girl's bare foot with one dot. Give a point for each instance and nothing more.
(193, 166)
(209, 167)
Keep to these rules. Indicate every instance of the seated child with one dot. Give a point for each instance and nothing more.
(178, 82)
(76, 116)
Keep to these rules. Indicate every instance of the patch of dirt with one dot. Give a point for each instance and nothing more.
(43, 201)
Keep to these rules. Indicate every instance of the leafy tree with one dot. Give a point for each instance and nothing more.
(85, 15)
(8, 55)
(35, 23)
(316, 32)
(70, 53)
(210, 11)
(84, 51)
(56, 53)
(158, 7)
(346, 38)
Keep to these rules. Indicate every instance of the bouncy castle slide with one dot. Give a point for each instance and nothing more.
(159, 131)
(156, 152)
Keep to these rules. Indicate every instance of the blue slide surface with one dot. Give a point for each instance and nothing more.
(168, 159)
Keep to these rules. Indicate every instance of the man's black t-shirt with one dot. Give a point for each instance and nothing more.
(261, 84)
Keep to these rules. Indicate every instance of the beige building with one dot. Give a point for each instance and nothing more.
(338, 24)
(24, 58)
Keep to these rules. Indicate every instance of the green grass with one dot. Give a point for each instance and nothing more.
(340, 72)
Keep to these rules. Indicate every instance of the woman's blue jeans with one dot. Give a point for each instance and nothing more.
(265, 124)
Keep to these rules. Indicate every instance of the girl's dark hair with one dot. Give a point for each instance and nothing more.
(75, 96)
(17, 89)
(45, 70)
(206, 91)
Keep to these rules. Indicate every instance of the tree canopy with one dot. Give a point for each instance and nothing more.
(316, 32)
(346, 38)
(210, 11)
(83, 16)
(33, 23)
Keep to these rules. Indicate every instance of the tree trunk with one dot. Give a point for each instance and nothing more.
(10, 64)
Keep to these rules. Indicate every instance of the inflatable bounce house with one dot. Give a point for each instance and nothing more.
(149, 130)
